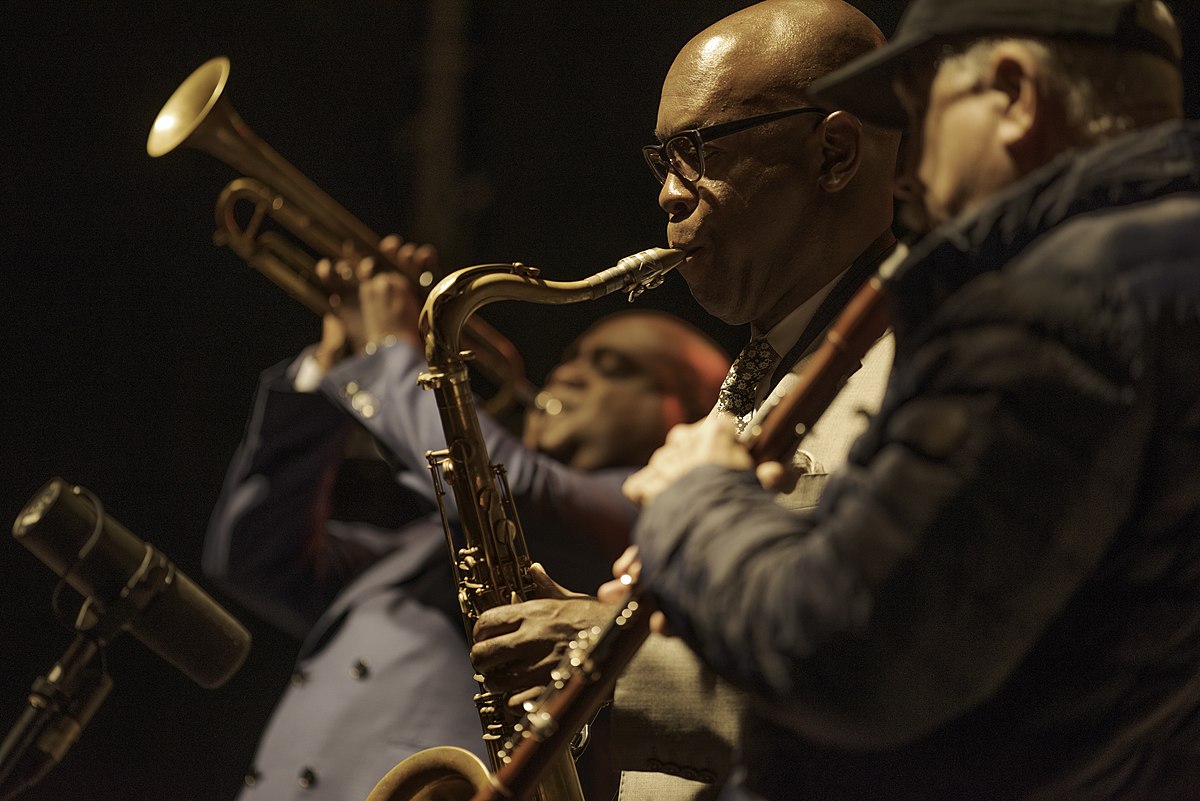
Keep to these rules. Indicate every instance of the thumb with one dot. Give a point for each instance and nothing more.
(777, 477)
(613, 592)
(548, 587)
(660, 625)
(333, 332)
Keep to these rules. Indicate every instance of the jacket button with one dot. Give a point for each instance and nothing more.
(364, 403)
(251, 778)
(299, 677)
(308, 778)
(359, 670)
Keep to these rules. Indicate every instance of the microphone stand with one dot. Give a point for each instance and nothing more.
(62, 701)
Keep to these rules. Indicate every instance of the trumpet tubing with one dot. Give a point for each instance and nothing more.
(199, 115)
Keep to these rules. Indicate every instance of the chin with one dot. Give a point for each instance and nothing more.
(730, 315)
(715, 303)
(565, 451)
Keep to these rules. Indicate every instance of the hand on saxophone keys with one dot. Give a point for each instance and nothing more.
(517, 645)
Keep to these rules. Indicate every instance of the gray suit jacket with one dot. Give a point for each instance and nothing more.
(675, 723)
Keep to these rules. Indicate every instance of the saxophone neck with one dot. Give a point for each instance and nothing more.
(451, 303)
(462, 293)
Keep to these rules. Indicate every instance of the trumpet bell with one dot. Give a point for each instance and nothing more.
(189, 106)
(199, 115)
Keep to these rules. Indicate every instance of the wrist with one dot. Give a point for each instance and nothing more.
(326, 358)
(388, 339)
(373, 345)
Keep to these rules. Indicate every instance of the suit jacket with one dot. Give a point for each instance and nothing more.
(383, 671)
(675, 723)
(576, 523)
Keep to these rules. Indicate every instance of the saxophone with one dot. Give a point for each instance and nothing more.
(596, 657)
(491, 563)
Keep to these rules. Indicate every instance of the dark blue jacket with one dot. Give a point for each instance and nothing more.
(343, 553)
(999, 598)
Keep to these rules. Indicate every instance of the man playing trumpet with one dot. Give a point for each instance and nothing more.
(313, 532)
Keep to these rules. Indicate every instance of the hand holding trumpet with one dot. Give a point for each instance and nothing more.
(371, 303)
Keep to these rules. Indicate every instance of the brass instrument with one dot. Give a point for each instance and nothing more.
(200, 116)
(491, 564)
(594, 660)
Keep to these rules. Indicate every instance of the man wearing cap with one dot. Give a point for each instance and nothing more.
(999, 596)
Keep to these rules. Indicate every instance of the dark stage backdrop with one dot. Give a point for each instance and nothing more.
(131, 345)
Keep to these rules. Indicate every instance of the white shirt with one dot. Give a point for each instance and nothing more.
(786, 333)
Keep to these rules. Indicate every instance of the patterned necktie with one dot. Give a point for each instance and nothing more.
(741, 385)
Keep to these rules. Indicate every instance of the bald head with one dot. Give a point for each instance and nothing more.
(783, 207)
(764, 57)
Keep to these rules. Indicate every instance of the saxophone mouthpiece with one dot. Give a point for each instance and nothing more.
(664, 259)
(646, 269)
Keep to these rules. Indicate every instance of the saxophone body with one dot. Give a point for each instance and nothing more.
(490, 558)
(597, 657)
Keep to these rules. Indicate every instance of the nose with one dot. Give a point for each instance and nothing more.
(677, 197)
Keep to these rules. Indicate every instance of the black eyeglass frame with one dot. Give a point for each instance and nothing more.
(660, 162)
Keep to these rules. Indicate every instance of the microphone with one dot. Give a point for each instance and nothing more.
(65, 527)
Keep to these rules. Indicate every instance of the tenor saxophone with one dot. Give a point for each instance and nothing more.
(596, 657)
(489, 555)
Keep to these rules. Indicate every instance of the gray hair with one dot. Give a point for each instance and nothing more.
(1103, 90)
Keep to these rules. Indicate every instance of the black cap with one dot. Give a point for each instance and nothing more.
(864, 86)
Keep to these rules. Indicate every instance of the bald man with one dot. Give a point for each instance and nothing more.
(784, 209)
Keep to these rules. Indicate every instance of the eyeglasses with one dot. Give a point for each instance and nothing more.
(684, 152)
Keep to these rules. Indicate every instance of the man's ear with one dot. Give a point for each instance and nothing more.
(841, 150)
(1014, 73)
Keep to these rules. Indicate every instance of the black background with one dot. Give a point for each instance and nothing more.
(131, 345)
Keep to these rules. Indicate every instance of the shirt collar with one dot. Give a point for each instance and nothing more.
(784, 334)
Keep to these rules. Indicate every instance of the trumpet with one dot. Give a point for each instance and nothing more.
(199, 115)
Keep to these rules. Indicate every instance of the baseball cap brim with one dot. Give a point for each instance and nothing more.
(866, 86)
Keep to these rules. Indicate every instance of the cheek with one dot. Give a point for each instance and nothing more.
(757, 216)
(937, 166)
(532, 431)
(948, 156)
(928, 165)
(630, 415)
(672, 413)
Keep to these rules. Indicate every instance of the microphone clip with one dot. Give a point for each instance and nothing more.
(104, 621)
